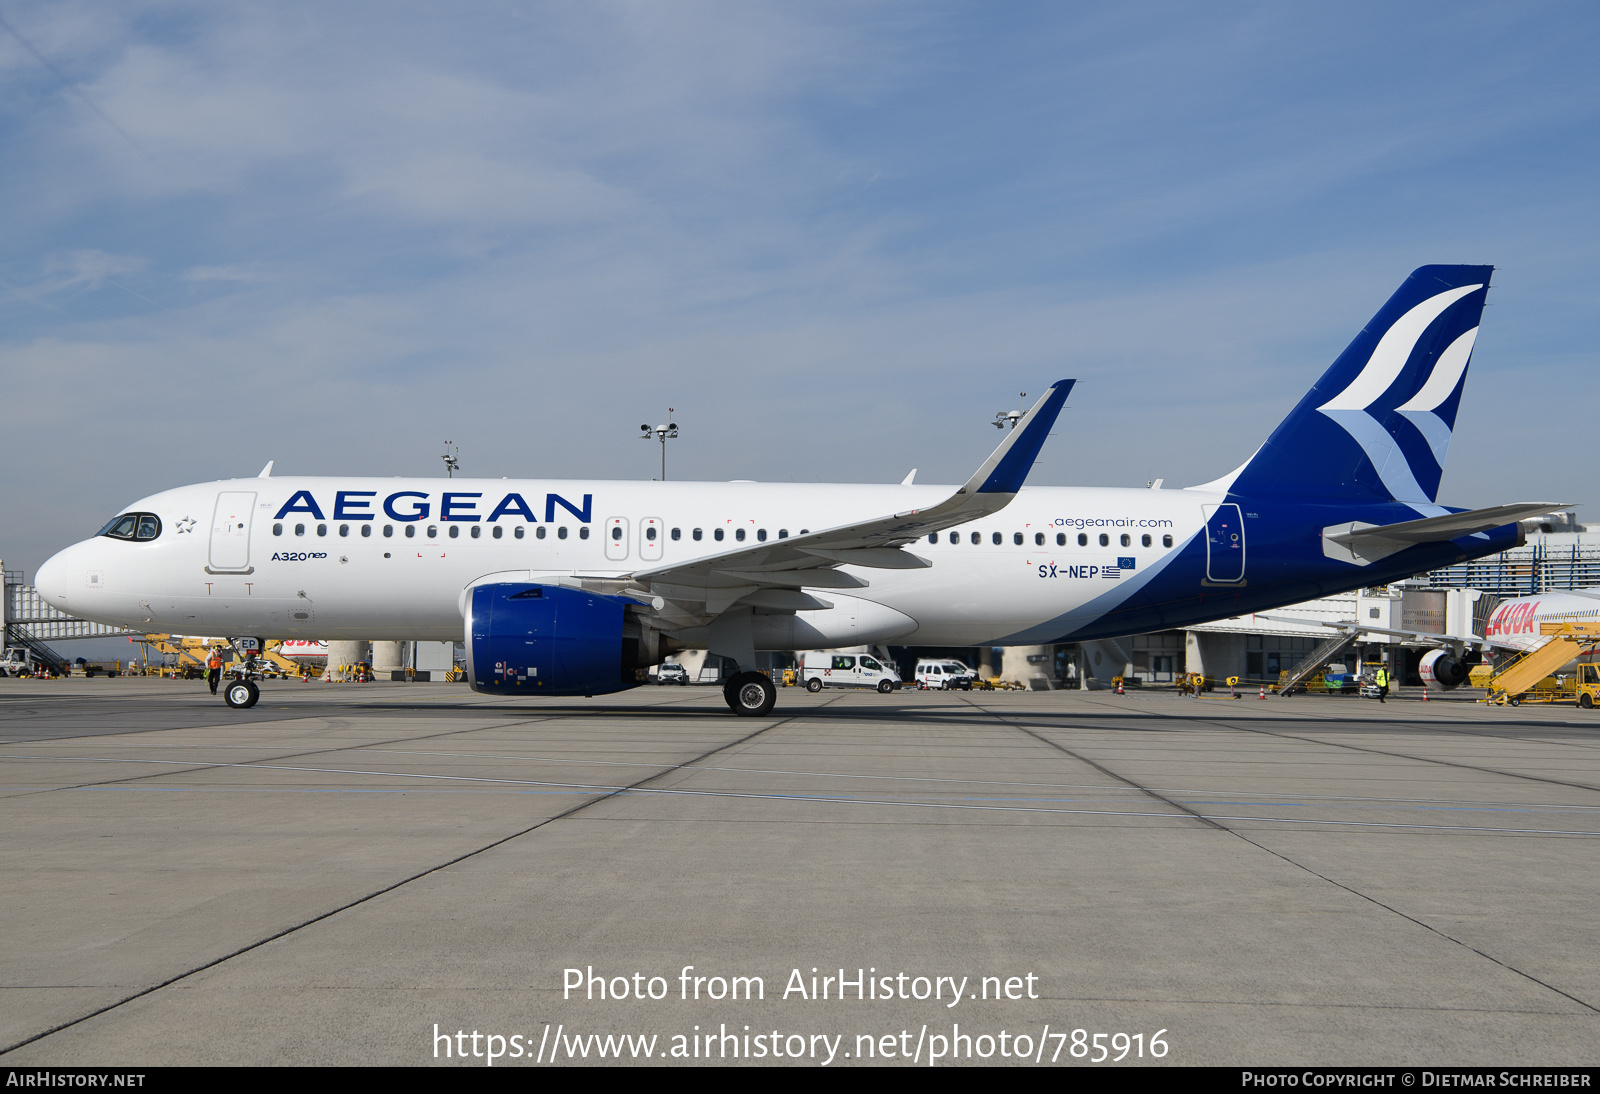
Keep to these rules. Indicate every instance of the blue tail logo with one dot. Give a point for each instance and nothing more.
(1377, 426)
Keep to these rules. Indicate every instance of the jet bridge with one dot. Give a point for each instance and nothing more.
(29, 622)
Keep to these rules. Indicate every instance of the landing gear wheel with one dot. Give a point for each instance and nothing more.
(813, 685)
(750, 694)
(885, 687)
(241, 694)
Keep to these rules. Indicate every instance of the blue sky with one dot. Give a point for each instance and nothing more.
(835, 237)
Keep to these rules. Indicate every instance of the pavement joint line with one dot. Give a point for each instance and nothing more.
(201, 766)
(975, 782)
(1241, 728)
(374, 894)
(1407, 756)
(1338, 884)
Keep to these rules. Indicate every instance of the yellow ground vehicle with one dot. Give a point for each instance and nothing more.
(1588, 686)
(1528, 676)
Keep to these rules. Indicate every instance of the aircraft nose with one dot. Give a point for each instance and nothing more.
(53, 580)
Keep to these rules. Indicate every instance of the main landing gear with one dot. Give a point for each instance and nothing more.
(750, 694)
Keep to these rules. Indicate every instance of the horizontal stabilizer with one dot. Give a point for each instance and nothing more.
(1355, 626)
(1362, 543)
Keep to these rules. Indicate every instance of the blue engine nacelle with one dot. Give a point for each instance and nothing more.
(548, 640)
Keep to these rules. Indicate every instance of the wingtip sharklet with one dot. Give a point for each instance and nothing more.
(1007, 467)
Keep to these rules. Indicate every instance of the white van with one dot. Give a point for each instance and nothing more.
(943, 674)
(846, 670)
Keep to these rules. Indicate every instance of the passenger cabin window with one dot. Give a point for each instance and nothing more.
(1127, 540)
(783, 533)
(499, 531)
(933, 537)
(616, 531)
(739, 534)
(977, 538)
(344, 530)
(1105, 540)
(299, 529)
(1083, 539)
(539, 532)
(477, 530)
(561, 533)
(388, 530)
(677, 534)
(1016, 537)
(518, 531)
(583, 533)
(697, 535)
(761, 534)
(1144, 541)
(717, 535)
(1061, 539)
(411, 531)
(433, 531)
(455, 531)
(955, 537)
(649, 534)
(997, 538)
(277, 529)
(1166, 541)
(366, 530)
(1038, 539)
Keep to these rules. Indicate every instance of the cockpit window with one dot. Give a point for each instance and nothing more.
(139, 526)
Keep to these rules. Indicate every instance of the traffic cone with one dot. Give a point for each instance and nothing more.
(1263, 694)
(1424, 693)
(1119, 686)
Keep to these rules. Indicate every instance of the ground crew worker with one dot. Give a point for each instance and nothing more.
(1382, 680)
(214, 670)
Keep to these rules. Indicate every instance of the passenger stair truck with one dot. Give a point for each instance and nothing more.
(1562, 643)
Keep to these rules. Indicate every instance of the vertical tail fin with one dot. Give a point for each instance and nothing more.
(1376, 427)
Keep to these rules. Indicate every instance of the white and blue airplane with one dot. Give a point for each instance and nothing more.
(571, 587)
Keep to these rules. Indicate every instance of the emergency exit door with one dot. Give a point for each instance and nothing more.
(617, 538)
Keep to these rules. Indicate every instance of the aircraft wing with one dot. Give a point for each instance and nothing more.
(772, 574)
(1349, 626)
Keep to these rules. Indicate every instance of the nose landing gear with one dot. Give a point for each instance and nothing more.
(241, 694)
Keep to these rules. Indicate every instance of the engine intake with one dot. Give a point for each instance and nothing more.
(529, 639)
(1444, 670)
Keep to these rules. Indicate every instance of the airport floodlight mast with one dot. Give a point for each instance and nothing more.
(451, 458)
(665, 433)
(1001, 417)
